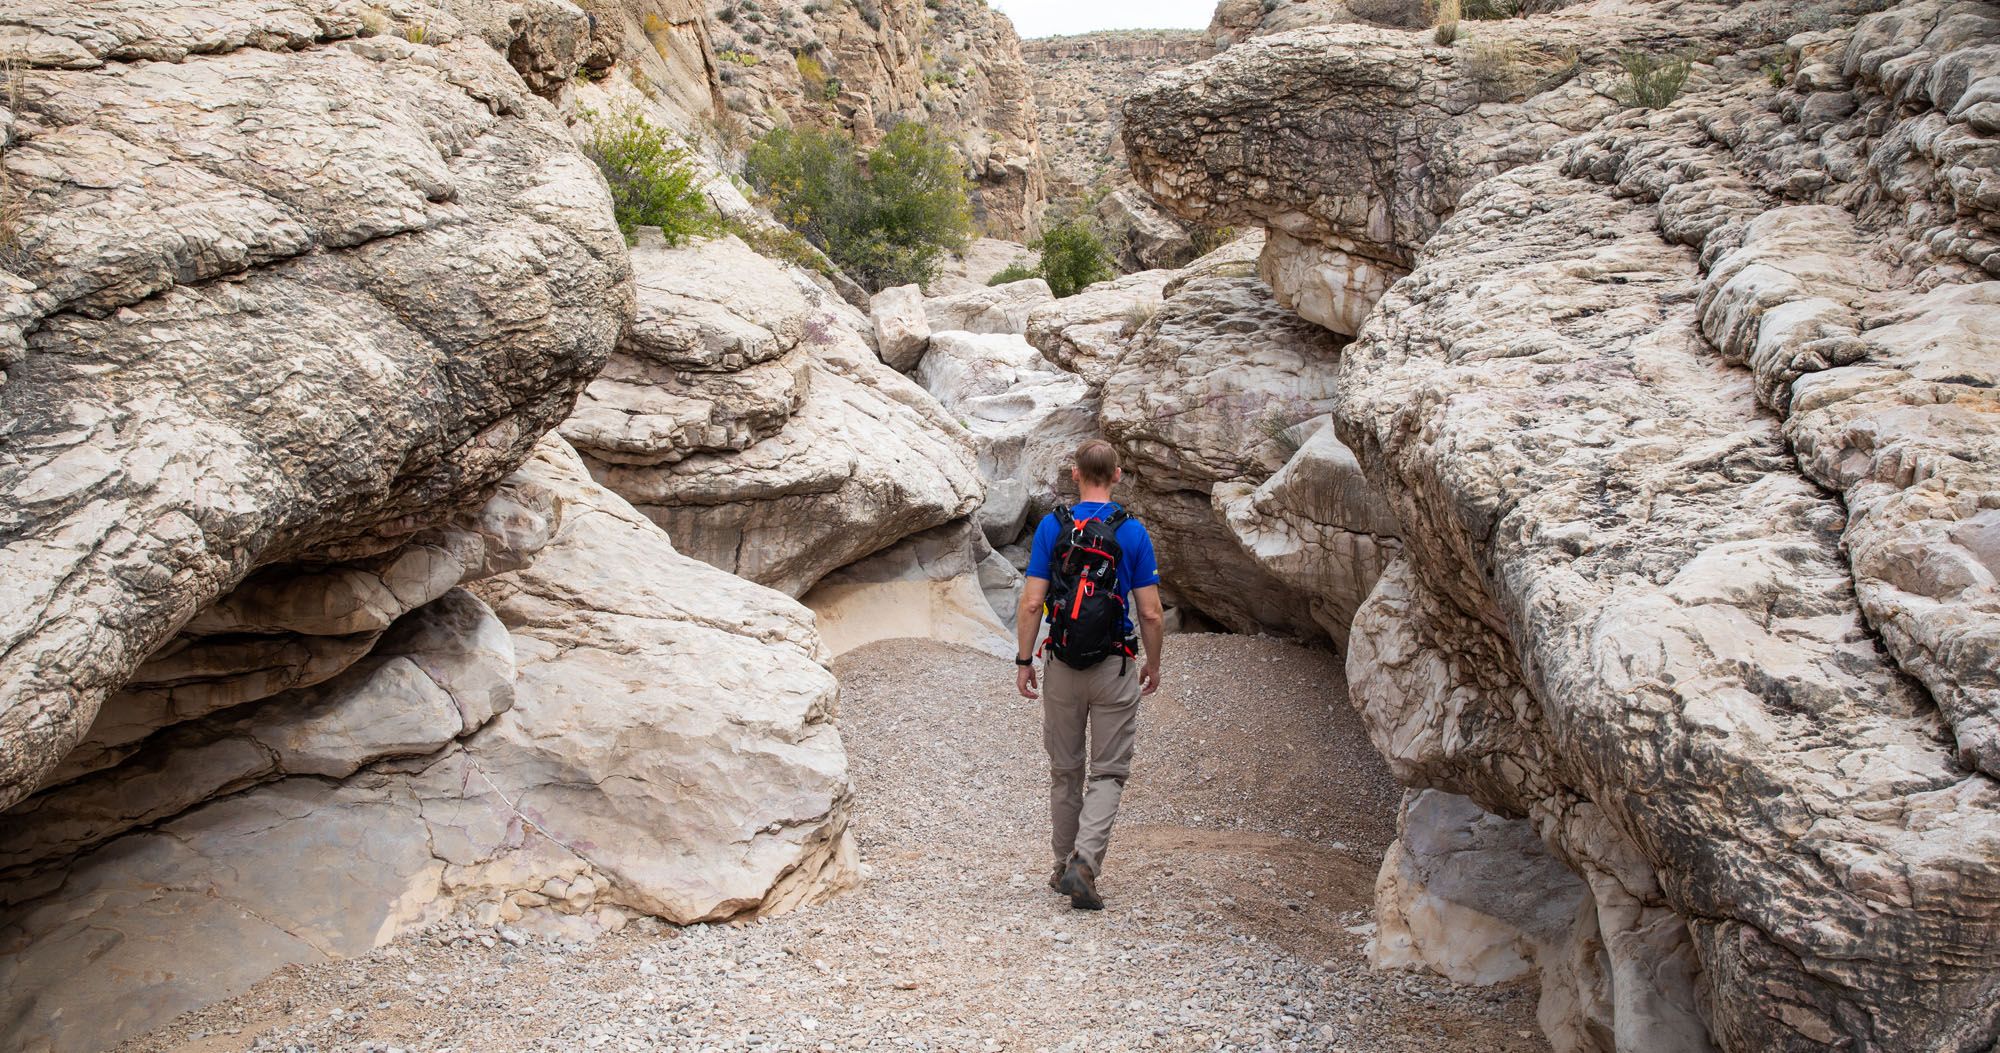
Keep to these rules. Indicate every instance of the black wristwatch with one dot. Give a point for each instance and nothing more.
(1024, 661)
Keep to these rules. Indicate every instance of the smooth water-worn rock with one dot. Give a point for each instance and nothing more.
(746, 414)
(536, 775)
(990, 309)
(936, 585)
(214, 363)
(1026, 416)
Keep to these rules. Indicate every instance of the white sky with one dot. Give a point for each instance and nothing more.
(1041, 18)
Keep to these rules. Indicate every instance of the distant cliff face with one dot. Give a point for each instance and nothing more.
(1080, 85)
(953, 64)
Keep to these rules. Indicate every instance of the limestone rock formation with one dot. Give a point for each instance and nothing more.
(744, 412)
(982, 259)
(1027, 417)
(1195, 400)
(1080, 83)
(522, 763)
(1349, 143)
(212, 364)
(953, 64)
(1686, 422)
(988, 309)
(1140, 235)
(1086, 333)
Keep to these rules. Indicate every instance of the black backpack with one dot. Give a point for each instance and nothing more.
(1086, 610)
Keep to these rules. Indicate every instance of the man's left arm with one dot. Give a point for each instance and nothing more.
(1152, 633)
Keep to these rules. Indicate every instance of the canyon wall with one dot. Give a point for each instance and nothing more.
(1686, 418)
(954, 65)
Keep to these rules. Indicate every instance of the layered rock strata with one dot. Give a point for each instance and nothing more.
(1684, 427)
(954, 65)
(745, 414)
(212, 364)
(522, 756)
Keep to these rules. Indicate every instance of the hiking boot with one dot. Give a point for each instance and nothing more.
(1080, 885)
(1055, 877)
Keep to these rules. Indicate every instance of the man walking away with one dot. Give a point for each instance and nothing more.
(1089, 567)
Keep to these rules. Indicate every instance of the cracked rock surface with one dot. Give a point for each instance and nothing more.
(612, 730)
(1686, 422)
(242, 327)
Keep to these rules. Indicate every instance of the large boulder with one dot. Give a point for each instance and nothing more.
(1202, 395)
(1316, 525)
(989, 309)
(746, 414)
(237, 343)
(519, 758)
(1027, 417)
(902, 331)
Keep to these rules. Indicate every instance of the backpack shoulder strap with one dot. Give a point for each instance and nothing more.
(1117, 518)
(1063, 516)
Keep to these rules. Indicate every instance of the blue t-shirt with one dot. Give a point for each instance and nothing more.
(1136, 568)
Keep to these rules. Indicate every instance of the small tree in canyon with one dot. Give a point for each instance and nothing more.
(886, 219)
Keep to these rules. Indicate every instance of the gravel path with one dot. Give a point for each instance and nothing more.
(1238, 891)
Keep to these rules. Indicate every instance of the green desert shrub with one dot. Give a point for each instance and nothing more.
(1652, 82)
(653, 181)
(1073, 258)
(886, 219)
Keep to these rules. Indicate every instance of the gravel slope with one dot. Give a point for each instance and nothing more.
(1244, 857)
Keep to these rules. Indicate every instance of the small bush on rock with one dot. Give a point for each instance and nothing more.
(1652, 82)
(1013, 272)
(653, 182)
(1073, 258)
(886, 222)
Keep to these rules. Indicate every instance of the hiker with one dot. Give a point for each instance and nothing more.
(1092, 569)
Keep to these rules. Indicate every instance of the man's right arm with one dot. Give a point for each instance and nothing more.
(1027, 626)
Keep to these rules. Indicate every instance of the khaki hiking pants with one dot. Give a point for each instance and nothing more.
(1106, 704)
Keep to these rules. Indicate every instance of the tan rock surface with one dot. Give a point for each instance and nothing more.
(436, 294)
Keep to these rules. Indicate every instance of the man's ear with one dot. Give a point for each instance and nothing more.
(1117, 474)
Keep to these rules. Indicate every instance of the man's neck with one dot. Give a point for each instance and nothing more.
(1093, 494)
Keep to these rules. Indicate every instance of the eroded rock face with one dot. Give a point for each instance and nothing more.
(989, 309)
(214, 364)
(1682, 620)
(1350, 143)
(953, 64)
(744, 413)
(518, 757)
(1196, 399)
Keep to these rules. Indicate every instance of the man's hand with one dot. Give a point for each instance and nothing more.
(1024, 681)
(1149, 676)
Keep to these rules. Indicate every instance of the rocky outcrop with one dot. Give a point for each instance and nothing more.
(1350, 143)
(1140, 236)
(1197, 398)
(1080, 83)
(989, 309)
(213, 365)
(746, 415)
(1685, 421)
(953, 64)
(518, 757)
(1027, 417)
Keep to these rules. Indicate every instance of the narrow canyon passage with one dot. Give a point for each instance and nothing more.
(1239, 891)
